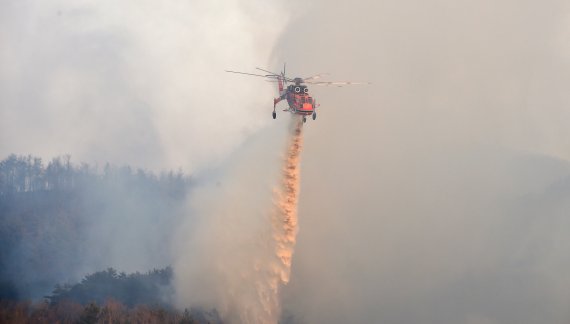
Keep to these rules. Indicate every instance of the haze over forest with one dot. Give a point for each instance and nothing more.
(438, 194)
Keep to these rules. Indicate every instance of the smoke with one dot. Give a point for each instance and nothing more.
(139, 83)
(238, 255)
(133, 82)
(439, 194)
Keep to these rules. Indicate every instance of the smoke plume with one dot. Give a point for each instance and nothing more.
(235, 254)
(447, 181)
(132, 82)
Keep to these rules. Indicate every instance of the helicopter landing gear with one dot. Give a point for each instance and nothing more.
(275, 101)
(314, 115)
(304, 119)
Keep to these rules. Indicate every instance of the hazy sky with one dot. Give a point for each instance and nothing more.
(136, 82)
(439, 194)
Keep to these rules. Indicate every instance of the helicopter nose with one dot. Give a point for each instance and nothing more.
(307, 106)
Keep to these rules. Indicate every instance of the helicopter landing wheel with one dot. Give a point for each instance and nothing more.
(274, 115)
(304, 119)
(314, 115)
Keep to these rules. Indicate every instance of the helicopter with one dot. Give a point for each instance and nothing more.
(296, 91)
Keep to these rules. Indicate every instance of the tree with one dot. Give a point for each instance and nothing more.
(90, 314)
(187, 318)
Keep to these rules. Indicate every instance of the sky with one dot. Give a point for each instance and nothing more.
(438, 194)
(136, 82)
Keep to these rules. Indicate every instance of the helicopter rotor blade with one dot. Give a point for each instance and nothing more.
(282, 75)
(315, 77)
(273, 73)
(269, 76)
(337, 83)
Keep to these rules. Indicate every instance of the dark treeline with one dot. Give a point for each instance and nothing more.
(109, 312)
(59, 221)
(151, 288)
(108, 297)
(28, 174)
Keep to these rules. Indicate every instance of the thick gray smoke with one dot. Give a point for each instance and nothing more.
(236, 254)
(137, 82)
(441, 193)
(132, 82)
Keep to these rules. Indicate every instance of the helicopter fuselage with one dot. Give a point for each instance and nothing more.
(298, 99)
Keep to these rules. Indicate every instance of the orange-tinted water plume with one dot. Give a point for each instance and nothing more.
(285, 218)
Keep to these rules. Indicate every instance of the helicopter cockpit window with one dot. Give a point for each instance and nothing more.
(298, 89)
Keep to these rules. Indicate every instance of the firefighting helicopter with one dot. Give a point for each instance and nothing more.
(297, 94)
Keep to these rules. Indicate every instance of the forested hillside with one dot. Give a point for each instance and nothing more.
(60, 221)
(108, 297)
